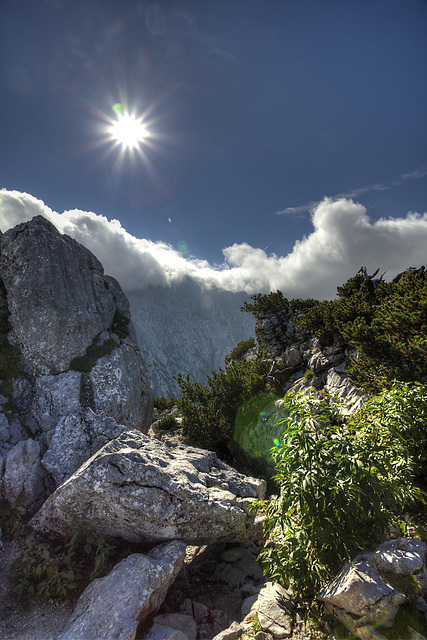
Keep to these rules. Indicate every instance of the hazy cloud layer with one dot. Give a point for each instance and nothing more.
(343, 238)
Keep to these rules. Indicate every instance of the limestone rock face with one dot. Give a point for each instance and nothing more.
(143, 490)
(112, 607)
(57, 295)
(60, 306)
(362, 596)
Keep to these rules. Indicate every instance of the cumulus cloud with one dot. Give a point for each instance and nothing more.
(342, 238)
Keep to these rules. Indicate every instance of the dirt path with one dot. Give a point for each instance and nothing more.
(19, 621)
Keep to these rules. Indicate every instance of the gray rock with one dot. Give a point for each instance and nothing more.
(233, 632)
(77, 438)
(318, 362)
(178, 622)
(112, 607)
(140, 489)
(61, 303)
(338, 385)
(120, 386)
(360, 598)
(401, 556)
(57, 295)
(292, 356)
(274, 610)
(162, 632)
(22, 483)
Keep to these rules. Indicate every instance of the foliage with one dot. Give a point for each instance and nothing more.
(209, 412)
(9, 358)
(167, 423)
(240, 350)
(275, 302)
(308, 374)
(11, 521)
(94, 351)
(386, 325)
(120, 325)
(45, 570)
(338, 493)
(396, 413)
(161, 403)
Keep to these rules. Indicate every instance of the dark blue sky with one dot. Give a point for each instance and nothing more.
(254, 107)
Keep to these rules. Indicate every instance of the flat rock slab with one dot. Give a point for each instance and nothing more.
(112, 607)
(143, 490)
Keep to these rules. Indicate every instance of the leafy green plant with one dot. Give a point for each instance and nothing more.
(240, 350)
(275, 302)
(120, 325)
(209, 411)
(386, 325)
(162, 403)
(9, 356)
(12, 522)
(308, 374)
(398, 413)
(338, 494)
(45, 570)
(167, 423)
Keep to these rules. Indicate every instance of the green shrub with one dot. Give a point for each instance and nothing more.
(275, 302)
(386, 326)
(120, 325)
(339, 492)
(309, 374)
(240, 350)
(167, 423)
(45, 570)
(396, 413)
(94, 352)
(209, 412)
(9, 359)
(161, 403)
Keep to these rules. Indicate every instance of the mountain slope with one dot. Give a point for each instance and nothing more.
(187, 328)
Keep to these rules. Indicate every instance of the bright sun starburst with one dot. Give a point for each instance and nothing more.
(128, 131)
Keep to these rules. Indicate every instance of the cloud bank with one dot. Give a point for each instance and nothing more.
(343, 238)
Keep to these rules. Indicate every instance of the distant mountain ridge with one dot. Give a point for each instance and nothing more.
(187, 328)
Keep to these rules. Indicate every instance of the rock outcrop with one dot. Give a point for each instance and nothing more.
(112, 607)
(368, 592)
(67, 327)
(300, 361)
(142, 490)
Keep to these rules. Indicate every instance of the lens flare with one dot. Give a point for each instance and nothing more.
(276, 443)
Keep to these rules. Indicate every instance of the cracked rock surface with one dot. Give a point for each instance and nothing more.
(111, 607)
(363, 596)
(59, 303)
(143, 490)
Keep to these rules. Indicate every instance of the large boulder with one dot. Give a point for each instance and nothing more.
(68, 326)
(62, 306)
(143, 490)
(112, 607)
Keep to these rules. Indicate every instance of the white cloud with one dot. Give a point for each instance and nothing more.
(342, 239)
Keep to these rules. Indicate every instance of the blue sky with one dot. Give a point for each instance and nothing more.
(256, 110)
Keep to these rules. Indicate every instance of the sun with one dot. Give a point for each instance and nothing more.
(128, 131)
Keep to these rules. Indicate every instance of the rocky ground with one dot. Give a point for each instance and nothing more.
(21, 621)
